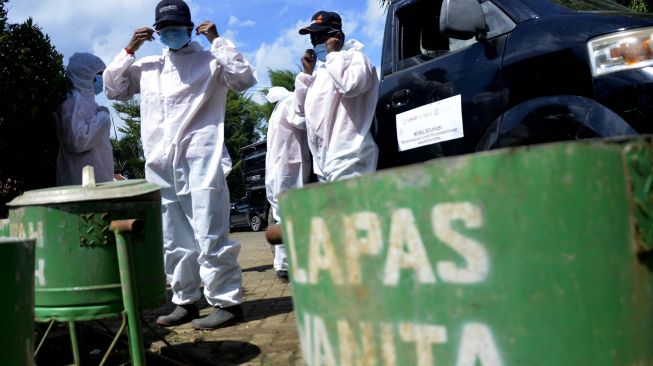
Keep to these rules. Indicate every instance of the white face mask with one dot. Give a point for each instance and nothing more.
(321, 51)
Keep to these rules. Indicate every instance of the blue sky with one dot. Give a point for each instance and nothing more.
(265, 31)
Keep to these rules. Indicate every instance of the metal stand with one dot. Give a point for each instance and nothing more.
(129, 294)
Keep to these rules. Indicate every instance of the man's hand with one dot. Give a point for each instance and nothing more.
(308, 61)
(208, 29)
(140, 36)
(334, 44)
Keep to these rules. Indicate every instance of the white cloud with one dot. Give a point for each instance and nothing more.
(284, 53)
(232, 35)
(235, 22)
(247, 23)
(283, 12)
(99, 26)
(374, 23)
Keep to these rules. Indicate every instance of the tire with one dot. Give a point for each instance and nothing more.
(538, 133)
(255, 223)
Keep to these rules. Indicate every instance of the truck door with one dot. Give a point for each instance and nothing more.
(422, 66)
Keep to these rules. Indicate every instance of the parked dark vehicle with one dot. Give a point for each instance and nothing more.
(245, 215)
(508, 73)
(253, 210)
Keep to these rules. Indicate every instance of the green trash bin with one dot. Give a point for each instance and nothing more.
(17, 301)
(532, 256)
(76, 266)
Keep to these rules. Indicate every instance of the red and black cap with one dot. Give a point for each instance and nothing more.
(172, 12)
(323, 21)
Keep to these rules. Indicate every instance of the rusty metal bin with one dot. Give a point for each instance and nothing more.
(531, 256)
(17, 301)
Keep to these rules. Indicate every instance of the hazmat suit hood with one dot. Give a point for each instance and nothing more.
(82, 68)
(277, 93)
(353, 44)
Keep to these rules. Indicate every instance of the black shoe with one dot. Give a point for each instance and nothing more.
(219, 318)
(282, 276)
(182, 314)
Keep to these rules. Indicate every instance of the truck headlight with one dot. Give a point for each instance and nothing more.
(621, 51)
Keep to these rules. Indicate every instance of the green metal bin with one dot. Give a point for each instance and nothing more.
(76, 269)
(529, 256)
(17, 301)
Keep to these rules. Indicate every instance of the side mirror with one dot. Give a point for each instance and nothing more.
(462, 19)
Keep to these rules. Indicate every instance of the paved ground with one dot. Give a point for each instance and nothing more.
(268, 335)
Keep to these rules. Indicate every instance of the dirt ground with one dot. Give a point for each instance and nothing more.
(267, 336)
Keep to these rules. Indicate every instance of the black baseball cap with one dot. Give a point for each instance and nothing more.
(172, 12)
(323, 21)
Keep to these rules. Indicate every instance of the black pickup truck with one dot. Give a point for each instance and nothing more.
(460, 76)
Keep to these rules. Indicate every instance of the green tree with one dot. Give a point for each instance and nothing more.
(128, 155)
(244, 125)
(282, 78)
(642, 6)
(33, 86)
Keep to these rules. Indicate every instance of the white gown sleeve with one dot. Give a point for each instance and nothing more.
(122, 77)
(351, 72)
(238, 73)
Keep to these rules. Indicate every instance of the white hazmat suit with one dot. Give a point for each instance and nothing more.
(83, 127)
(338, 103)
(183, 98)
(287, 161)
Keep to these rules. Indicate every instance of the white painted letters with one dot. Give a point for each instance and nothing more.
(321, 254)
(478, 263)
(478, 344)
(406, 250)
(299, 274)
(355, 247)
(39, 272)
(424, 336)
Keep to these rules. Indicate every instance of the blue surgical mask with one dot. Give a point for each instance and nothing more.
(174, 37)
(98, 84)
(321, 51)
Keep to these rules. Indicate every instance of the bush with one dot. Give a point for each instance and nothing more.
(33, 86)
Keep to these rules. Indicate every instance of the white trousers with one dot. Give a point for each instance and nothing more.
(198, 249)
(280, 262)
(280, 258)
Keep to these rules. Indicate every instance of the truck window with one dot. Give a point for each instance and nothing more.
(419, 34)
(419, 37)
(497, 21)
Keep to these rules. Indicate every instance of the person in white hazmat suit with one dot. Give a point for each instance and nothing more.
(336, 96)
(183, 96)
(83, 127)
(287, 162)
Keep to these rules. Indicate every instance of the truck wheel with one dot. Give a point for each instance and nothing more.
(538, 133)
(255, 223)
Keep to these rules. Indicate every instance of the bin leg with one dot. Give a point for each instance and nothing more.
(129, 294)
(74, 344)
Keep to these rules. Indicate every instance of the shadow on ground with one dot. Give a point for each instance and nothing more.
(258, 268)
(94, 341)
(205, 353)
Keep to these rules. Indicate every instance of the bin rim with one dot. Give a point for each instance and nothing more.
(72, 194)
